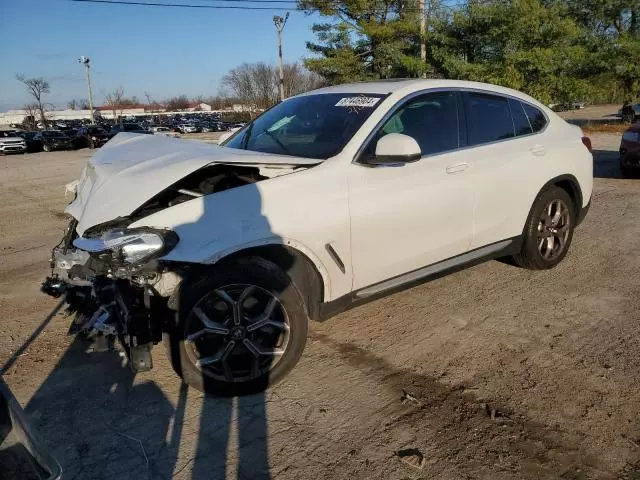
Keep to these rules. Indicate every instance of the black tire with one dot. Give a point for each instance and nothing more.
(530, 256)
(268, 278)
(625, 172)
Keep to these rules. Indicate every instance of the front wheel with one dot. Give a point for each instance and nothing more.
(548, 231)
(239, 329)
(46, 148)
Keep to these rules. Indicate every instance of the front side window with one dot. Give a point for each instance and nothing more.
(311, 126)
(430, 119)
(488, 118)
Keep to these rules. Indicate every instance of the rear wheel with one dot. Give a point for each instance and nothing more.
(238, 330)
(549, 230)
(46, 148)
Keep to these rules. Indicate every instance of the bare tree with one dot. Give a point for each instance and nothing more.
(31, 111)
(36, 87)
(258, 83)
(253, 84)
(78, 104)
(178, 103)
(114, 101)
(297, 79)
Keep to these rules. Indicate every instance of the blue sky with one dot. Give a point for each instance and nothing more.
(163, 51)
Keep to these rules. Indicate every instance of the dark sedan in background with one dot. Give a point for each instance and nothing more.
(630, 151)
(92, 136)
(54, 140)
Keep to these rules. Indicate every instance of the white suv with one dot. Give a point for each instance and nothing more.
(10, 142)
(329, 199)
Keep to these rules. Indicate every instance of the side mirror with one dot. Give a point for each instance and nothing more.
(396, 148)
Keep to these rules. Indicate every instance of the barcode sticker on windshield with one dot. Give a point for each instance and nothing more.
(357, 102)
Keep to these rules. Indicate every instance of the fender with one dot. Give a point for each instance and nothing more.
(279, 241)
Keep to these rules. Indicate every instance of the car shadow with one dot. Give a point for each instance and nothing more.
(101, 420)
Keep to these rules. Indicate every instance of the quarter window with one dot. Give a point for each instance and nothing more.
(520, 120)
(536, 117)
(488, 118)
(431, 119)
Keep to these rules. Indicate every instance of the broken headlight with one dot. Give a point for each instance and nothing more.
(130, 246)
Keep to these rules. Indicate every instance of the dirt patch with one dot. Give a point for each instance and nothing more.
(491, 373)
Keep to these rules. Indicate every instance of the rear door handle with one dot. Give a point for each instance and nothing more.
(538, 150)
(457, 167)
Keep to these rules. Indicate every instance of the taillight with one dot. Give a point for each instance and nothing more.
(586, 141)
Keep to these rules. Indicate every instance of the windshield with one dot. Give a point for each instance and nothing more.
(311, 126)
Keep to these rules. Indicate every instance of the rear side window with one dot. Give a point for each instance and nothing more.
(520, 120)
(488, 118)
(536, 118)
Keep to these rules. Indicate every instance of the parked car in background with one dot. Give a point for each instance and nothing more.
(12, 142)
(166, 131)
(33, 145)
(630, 112)
(54, 140)
(630, 151)
(188, 128)
(395, 183)
(128, 127)
(91, 136)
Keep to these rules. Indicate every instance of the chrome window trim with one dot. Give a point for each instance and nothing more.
(418, 93)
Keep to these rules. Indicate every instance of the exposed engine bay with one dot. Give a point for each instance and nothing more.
(115, 283)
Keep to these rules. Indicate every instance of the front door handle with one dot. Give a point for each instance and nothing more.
(457, 167)
(538, 150)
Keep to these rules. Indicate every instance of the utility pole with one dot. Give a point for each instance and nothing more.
(85, 62)
(423, 34)
(280, 22)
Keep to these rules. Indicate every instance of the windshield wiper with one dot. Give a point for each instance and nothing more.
(280, 144)
(247, 135)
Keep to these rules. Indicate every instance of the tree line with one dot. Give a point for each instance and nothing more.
(555, 50)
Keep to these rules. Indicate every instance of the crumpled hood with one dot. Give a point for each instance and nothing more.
(132, 168)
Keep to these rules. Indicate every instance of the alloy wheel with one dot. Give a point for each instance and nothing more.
(237, 333)
(554, 227)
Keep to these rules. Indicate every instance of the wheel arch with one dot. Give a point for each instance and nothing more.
(304, 272)
(569, 184)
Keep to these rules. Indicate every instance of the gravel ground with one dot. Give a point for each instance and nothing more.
(491, 373)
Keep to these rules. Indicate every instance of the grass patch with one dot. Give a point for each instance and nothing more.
(604, 128)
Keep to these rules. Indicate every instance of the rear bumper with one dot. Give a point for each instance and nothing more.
(629, 159)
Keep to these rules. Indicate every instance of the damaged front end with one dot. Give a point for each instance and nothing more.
(108, 283)
(113, 275)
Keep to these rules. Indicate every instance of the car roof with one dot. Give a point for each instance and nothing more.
(409, 85)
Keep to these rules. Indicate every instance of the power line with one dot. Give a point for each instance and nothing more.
(217, 7)
(183, 5)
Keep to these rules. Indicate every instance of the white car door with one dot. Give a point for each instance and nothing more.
(510, 163)
(407, 217)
